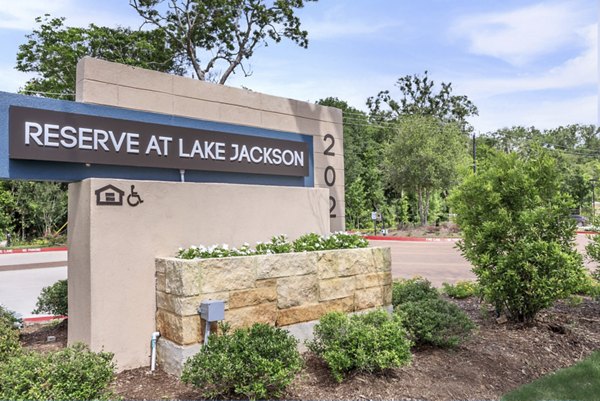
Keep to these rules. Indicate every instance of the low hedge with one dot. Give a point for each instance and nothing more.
(370, 342)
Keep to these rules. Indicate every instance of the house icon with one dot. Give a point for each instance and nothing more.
(109, 195)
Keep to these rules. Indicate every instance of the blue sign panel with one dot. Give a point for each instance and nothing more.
(48, 139)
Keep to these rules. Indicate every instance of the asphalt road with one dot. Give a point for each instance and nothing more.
(21, 279)
(438, 262)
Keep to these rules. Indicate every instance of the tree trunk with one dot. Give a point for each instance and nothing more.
(420, 206)
(427, 197)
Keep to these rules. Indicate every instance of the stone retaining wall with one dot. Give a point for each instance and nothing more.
(286, 290)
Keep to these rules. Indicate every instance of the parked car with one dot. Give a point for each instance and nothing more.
(580, 220)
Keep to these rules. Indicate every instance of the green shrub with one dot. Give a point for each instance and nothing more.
(414, 289)
(369, 342)
(73, 373)
(256, 362)
(460, 290)
(435, 322)
(517, 232)
(9, 335)
(53, 300)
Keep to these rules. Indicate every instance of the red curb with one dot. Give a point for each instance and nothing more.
(32, 250)
(411, 239)
(40, 319)
(588, 232)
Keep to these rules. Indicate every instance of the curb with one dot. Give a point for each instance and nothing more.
(42, 319)
(31, 250)
(409, 239)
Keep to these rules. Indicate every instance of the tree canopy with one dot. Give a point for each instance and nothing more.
(420, 96)
(210, 34)
(53, 49)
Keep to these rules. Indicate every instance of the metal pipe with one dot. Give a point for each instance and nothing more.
(155, 336)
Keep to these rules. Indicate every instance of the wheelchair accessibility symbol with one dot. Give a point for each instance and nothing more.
(134, 199)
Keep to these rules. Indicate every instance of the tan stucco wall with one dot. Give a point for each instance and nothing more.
(102, 82)
(112, 248)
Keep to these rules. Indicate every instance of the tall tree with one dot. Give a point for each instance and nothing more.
(420, 96)
(426, 156)
(214, 33)
(53, 49)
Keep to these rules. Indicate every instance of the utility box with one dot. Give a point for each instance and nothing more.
(212, 310)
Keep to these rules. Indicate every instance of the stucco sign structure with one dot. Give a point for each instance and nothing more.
(254, 166)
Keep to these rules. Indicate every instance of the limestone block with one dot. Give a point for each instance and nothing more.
(183, 277)
(285, 265)
(382, 258)
(183, 306)
(179, 329)
(368, 298)
(306, 313)
(254, 296)
(297, 290)
(342, 263)
(160, 265)
(336, 288)
(269, 282)
(161, 282)
(227, 274)
(246, 317)
(222, 296)
(373, 279)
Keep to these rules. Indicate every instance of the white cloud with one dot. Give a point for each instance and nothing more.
(520, 36)
(335, 23)
(542, 115)
(581, 70)
(21, 14)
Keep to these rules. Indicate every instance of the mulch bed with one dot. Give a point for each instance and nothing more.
(495, 360)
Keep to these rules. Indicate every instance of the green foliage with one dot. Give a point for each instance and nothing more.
(9, 335)
(425, 157)
(53, 300)
(461, 290)
(73, 373)
(279, 244)
(36, 209)
(368, 342)
(411, 290)
(578, 382)
(420, 97)
(222, 34)
(435, 321)
(53, 50)
(257, 362)
(517, 233)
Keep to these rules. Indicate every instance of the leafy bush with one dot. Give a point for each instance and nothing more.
(517, 233)
(73, 373)
(256, 362)
(460, 290)
(278, 244)
(414, 289)
(53, 300)
(9, 335)
(435, 321)
(369, 342)
(590, 287)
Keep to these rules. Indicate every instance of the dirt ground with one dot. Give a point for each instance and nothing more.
(495, 360)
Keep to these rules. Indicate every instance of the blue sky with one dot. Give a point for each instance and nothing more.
(522, 62)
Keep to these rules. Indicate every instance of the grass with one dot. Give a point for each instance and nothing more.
(579, 382)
